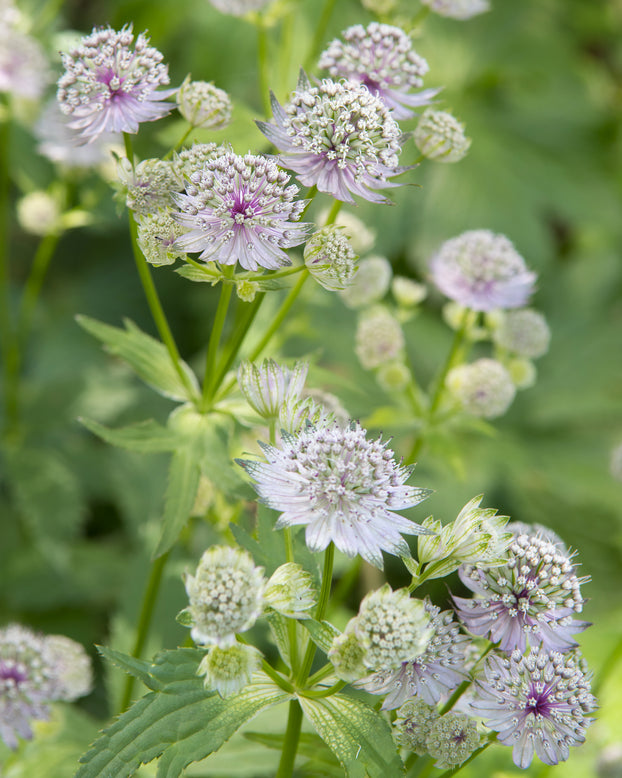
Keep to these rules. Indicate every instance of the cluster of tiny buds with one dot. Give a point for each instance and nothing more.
(379, 338)
(204, 105)
(441, 137)
(482, 388)
(330, 259)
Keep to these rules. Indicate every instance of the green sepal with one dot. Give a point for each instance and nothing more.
(359, 736)
(184, 617)
(148, 357)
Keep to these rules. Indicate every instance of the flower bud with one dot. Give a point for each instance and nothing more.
(39, 213)
(441, 137)
(523, 332)
(413, 723)
(229, 669)
(522, 372)
(347, 656)
(483, 388)
(246, 290)
(226, 596)
(290, 591)
(330, 259)
(370, 284)
(393, 376)
(452, 739)
(407, 292)
(204, 105)
(149, 186)
(379, 338)
(268, 386)
(157, 233)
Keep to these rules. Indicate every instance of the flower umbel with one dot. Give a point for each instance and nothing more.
(204, 105)
(537, 703)
(110, 87)
(337, 136)
(482, 271)
(342, 487)
(438, 670)
(241, 209)
(532, 597)
(381, 58)
(330, 259)
(230, 668)
(440, 136)
(226, 596)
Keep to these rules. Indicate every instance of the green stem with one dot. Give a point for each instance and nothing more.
(278, 679)
(333, 213)
(34, 282)
(419, 18)
(149, 600)
(214, 341)
(290, 744)
(180, 142)
(327, 579)
(328, 692)
(239, 333)
(322, 673)
(157, 312)
(320, 32)
(439, 384)
(264, 75)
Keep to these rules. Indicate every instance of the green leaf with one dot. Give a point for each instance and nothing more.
(182, 723)
(322, 633)
(194, 274)
(148, 357)
(359, 737)
(146, 436)
(181, 492)
(136, 667)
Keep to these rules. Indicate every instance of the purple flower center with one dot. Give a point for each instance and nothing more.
(12, 672)
(538, 700)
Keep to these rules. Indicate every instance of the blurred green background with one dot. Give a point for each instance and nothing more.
(539, 87)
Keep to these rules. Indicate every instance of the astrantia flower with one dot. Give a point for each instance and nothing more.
(241, 209)
(238, 7)
(452, 739)
(483, 388)
(268, 386)
(72, 670)
(379, 338)
(381, 58)
(413, 723)
(370, 283)
(24, 70)
(26, 682)
(440, 136)
(339, 137)
(149, 185)
(532, 597)
(523, 332)
(482, 271)
(437, 671)
(537, 703)
(226, 595)
(229, 669)
(344, 488)
(204, 105)
(458, 9)
(193, 160)
(110, 87)
(330, 259)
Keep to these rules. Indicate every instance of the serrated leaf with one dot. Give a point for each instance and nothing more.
(181, 724)
(181, 492)
(145, 436)
(359, 737)
(147, 356)
(279, 630)
(322, 633)
(136, 667)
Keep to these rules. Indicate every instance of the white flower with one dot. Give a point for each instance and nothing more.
(483, 388)
(344, 488)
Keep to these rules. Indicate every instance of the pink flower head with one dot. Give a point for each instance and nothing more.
(108, 87)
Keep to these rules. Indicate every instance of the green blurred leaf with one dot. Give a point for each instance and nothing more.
(145, 436)
(181, 492)
(359, 737)
(147, 356)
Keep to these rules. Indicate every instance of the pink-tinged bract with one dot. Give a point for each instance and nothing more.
(538, 703)
(482, 271)
(343, 488)
(337, 136)
(381, 57)
(532, 598)
(241, 209)
(108, 86)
